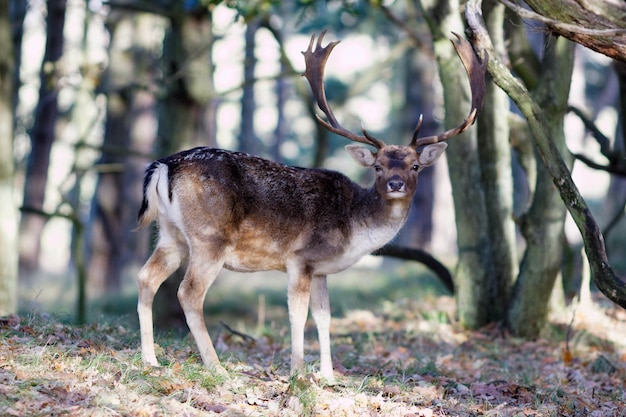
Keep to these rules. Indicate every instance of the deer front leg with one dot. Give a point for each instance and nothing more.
(161, 264)
(191, 293)
(298, 295)
(320, 309)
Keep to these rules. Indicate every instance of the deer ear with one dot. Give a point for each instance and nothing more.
(362, 155)
(431, 153)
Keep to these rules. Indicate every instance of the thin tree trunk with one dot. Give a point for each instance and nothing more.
(497, 178)
(282, 95)
(17, 9)
(8, 209)
(183, 116)
(84, 116)
(475, 264)
(106, 240)
(189, 84)
(543, 225)
(247, 136)
(130, 128)
(42, 137)
(419, 88)
(106, 243)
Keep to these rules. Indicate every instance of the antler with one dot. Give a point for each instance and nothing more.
(315, 58)
(476, 73)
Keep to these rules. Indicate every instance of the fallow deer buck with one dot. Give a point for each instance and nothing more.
(221, 209)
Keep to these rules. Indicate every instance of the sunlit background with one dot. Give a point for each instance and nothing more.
(356, 62)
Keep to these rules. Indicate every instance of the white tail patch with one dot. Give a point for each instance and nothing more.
(155, 195)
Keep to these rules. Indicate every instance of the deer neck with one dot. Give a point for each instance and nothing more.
(374, 222)
(379, 212)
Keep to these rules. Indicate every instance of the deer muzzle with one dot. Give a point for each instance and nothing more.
(395, 185)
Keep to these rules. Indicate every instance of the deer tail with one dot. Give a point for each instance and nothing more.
(155, 189)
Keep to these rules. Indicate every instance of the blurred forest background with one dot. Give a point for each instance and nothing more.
(95, 90)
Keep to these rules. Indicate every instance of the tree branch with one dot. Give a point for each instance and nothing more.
(556, 24)
(611, 168)
(603, 141)
(418, 255)
(595, 24)
(617, 163)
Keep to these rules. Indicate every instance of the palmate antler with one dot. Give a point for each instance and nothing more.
(476, 71)
(316, 56)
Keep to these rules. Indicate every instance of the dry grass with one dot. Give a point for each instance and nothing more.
(397, 351)
(404, 358)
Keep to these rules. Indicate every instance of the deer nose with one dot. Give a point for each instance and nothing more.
(395, 185)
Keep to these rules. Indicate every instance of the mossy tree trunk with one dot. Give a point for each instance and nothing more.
(543, 225)
(474, 270)
(481, 177)
(497, 176)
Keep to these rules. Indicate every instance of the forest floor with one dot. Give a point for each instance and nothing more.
(400, 358)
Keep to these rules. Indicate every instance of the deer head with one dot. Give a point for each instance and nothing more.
(396, 166)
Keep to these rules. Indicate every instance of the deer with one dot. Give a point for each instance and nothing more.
(220, 209)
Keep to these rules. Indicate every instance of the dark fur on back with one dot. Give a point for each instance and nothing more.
(285, 193)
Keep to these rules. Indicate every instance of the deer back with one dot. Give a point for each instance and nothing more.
(263, 213)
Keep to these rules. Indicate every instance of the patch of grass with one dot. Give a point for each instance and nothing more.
(209, 379)
(302, 395)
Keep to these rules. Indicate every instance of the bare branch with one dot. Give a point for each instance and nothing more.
(529, 14)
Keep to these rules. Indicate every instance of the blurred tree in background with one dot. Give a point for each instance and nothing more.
(43, 133)
(136, 80)
(8, 211)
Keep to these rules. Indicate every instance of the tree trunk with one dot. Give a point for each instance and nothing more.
(247, 136)
(106, 241)
(8, 209)
(183, 115)
(475, 264)
(17, 10)
(188, 72)
(43, 135)
(419, 92)
(130, 128)
(497, 177)
(282, 92)
(543, 226)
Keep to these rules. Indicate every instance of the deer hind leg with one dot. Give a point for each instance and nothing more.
(165, 259)
(320, 309)
(201, 273)
(298, 296)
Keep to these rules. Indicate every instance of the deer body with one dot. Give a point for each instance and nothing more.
(245, 213)
(221, 209)
(271, 213)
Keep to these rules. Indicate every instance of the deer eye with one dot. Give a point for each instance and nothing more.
(378, 168)
(415, 167)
